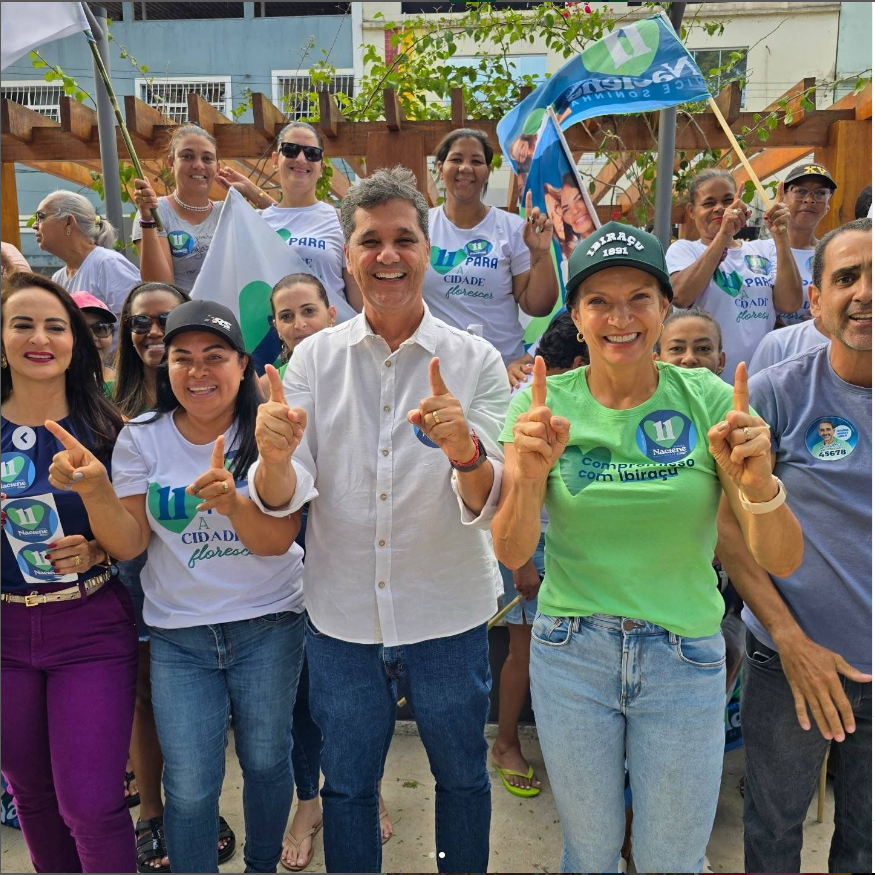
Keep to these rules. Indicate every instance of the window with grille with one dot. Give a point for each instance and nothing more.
(709, 60)
(278, 10)
(175, 11)
(170, 96)
(291, 92)
(40, 96)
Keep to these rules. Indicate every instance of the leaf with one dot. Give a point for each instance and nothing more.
(37, 62)
(807, 105)
(763, 134)
(772, 122)
(50, 76)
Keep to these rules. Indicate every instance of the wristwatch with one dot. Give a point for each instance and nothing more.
(764, 506)
(474, 463)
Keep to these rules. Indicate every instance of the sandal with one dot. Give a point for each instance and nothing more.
(152, 845)
(134, 800)
(225, 832)
(296, 843)
(385, 813)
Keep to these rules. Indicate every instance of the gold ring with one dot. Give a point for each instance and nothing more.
(224, 487)
(747, 435)
(436, 419)
(78, 560)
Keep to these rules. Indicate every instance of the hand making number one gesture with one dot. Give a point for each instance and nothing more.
(741, 446)
(535, 230)
(777, 216)
(539, 438)
(441, 418)
(216, 487)
(75, 468)
(278, 427)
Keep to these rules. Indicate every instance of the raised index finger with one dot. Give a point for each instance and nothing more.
(740, 394)
(539, 383)
(218, 458)
(276, 384)
(435, 380)
(739, 191)
(779, 198)
(528, 204)
(68, 442)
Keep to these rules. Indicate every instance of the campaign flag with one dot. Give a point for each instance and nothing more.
(28, 25)
(557, 191)
(245, 260)
(640, 67)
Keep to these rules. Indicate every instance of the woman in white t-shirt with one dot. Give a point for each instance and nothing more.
(68, 227)
(486, 264)
(309, 226)
(739, 287)
(176, 254)
(222, 584)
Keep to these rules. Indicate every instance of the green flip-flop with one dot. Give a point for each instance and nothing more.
(517, 791)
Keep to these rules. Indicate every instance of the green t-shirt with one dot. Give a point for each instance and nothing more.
(282, 369)
(633, 503)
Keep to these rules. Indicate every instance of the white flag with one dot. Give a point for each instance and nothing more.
(28, 25)
(245, 259)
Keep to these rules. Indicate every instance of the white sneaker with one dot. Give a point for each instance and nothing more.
(622, 866)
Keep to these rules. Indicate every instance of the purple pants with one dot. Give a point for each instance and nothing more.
(68, 683)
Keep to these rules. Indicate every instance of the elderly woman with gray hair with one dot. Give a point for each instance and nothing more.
(68, 227)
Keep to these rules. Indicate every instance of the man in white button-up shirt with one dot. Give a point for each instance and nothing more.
(400, 575)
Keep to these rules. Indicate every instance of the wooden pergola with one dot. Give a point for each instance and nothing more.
(840, 137)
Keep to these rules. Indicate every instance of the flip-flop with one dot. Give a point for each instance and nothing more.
(385, 813)
(310, 834)
(517, 791)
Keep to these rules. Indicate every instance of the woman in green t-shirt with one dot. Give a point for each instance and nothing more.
(627, 659)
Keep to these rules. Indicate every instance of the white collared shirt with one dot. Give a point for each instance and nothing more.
(388, 558)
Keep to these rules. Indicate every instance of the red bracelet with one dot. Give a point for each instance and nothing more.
(476, 455)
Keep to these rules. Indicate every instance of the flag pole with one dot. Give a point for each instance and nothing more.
(104, 75)
(741, 156)
(498, 617)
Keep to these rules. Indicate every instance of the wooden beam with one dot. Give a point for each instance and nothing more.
(848, 157)
(78, 120)
(68, 170)
(770, 161)
(729, 102)
(266, 118)
(794, 108)
(330, 115)
(18, 121)
(610, 173)
(142, 119)
(339, 183)
(394, 114)
(205, 114)
(432, 194)
(861, 103)
(359, 165)
(457, 107)
(388, 148)
(9, 210)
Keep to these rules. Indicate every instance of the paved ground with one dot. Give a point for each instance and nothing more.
(526, 836)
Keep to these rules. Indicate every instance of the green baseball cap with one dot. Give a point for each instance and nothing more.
(618, 245)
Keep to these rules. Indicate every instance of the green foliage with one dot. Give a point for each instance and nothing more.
(55, 74)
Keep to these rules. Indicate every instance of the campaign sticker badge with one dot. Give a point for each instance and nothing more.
(17, 473)
(421, 437)
(830, 438)
(666, 436)
(181, 243)
(31, 525)
(30, 520)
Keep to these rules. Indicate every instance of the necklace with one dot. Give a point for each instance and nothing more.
(205, 209)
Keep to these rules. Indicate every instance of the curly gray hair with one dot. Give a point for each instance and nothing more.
(382, 186)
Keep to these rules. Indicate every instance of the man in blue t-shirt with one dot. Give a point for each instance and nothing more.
(809, 641)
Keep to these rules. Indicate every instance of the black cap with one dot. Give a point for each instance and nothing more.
(810, 169)
(618, 245)
(205, 316)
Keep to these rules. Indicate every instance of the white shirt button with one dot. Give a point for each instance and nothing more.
(383, 496)
(385, 452)
(386, 409)
(382, 584)
(388, 364)
(382, 543)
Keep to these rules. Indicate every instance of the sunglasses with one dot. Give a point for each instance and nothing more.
(102, 329)
(292, 150)
(142, 323)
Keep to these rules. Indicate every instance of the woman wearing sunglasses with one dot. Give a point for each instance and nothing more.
(68, 227)
(309, 226)
(101, 320)
(176, 254)
(140, 351)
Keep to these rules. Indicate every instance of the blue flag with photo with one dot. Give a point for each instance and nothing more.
(640, 67)
(557, 191)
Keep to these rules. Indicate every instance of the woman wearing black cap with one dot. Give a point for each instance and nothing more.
(627, 657)
(222, 587)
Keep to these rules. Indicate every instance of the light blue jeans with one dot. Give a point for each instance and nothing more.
(607, 687)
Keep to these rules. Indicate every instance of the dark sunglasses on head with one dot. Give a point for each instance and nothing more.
(142, 324)
(101, 329)
(292, 150)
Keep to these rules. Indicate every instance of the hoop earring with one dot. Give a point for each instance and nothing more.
(67, 231)
(580, 337)
(3, 362)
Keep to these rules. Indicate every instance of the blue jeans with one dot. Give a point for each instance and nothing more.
(308, 741)
(352, 695)
(783, 762)
(604, 687)
(249, 669)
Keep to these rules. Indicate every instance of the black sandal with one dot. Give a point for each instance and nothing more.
(151, 846)
(132, 801)
(225, 832)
